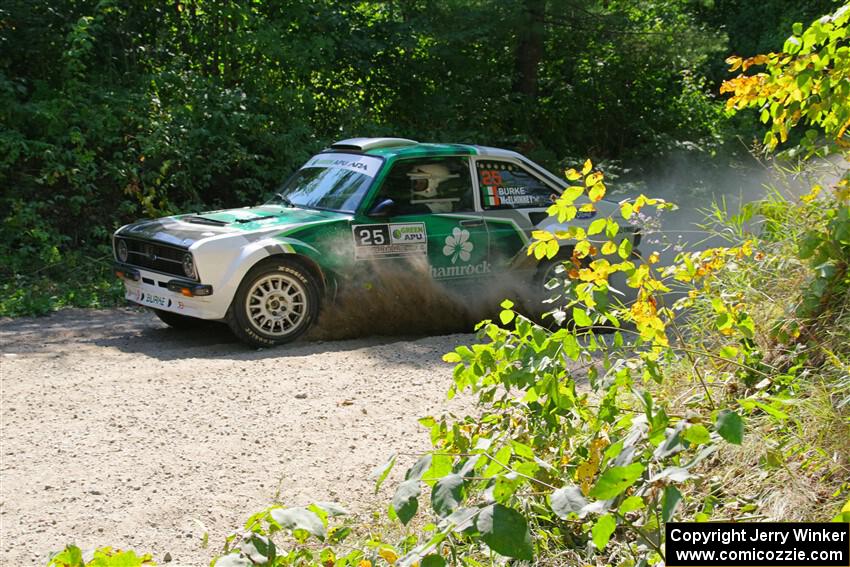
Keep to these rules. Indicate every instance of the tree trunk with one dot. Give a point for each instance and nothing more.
(530, 48)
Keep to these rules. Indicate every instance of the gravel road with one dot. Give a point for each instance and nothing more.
(117, 430)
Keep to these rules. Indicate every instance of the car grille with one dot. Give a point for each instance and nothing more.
(154, 256)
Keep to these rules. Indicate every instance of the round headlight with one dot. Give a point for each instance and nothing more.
(189, 266)
(121, 250)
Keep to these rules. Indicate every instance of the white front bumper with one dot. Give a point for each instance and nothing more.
(156, 296)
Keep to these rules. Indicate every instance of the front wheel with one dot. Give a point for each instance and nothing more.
(276, 303)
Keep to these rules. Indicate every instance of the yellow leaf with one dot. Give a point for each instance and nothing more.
(573, 175)
(587, 167)
(582, 249)
(541, 235)
(364, 563)
(596, 192)
(570, 194)
(388, 555)
(626, 210)
(540, 251)
(587, 208)
(593, 179)
(653, 258)
(734, 63)
(811, 195)
(609, 247)
(567, 214)
(552, 249)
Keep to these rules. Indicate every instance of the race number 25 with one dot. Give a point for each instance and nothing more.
(373, 235)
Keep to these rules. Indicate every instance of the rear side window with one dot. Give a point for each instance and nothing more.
(506, 185)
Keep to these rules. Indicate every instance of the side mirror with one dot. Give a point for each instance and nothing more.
(384, 208)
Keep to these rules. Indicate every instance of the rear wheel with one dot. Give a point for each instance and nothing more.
(176, 320)
(276, 303)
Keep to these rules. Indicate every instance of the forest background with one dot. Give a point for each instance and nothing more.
(115, 110)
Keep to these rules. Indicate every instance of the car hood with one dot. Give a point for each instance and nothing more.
(185, 230)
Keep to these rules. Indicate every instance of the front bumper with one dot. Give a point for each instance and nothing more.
(159, 291)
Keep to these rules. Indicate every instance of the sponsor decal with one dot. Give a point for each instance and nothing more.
(458, 246)
(497, 196)
(462, 271)
(376, 241)
(366, 165)
(507, 185)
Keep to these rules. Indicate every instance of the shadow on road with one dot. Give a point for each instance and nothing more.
(137, 331)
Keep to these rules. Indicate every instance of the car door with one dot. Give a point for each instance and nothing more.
(433, 226)
(514, 200)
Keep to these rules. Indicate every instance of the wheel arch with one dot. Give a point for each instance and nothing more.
(303, 260)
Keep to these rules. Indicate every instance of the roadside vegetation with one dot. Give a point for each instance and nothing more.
(728, 402)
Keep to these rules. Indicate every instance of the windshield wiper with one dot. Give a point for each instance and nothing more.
(285, 200)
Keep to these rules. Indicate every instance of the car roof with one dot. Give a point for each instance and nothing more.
(400, 148)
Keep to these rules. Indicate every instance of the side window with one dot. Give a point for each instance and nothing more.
(433, 185)
(505, 185)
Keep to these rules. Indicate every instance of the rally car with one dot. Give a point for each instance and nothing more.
(459, 214)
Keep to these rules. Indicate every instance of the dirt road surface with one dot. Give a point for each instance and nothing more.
(119, 431)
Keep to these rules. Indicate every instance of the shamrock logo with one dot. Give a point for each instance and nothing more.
(458, 245)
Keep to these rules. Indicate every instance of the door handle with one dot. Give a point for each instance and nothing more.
(472, 222)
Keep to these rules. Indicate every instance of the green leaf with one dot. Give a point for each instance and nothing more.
(451, 357)
(602, 531)
(433, 560)
(299, 519)
(730, 426)
(460, 520)
(624, 251)
(697, 435)
(506, 316)
(809, 244)
(631, 504)
(597, 226)
(417, 471)
(406, 500)
(503, 456)
(671, 500)
(615, 480)
(260, 549)
(729, 352)
(522, 450)
(775, 412)
(382, 471)
(567, 500)
(581, 318)
(505, 531)
(441, 465)
(332, 508)
(447, 494)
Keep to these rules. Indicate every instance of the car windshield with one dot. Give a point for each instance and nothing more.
(336, 182)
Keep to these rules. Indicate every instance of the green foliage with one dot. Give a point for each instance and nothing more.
(72, 556)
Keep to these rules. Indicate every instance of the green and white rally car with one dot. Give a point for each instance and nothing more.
(458, 213)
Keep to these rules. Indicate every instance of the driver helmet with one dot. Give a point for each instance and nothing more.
(425, 179)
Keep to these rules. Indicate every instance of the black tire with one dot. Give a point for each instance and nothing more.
(177, 321)
(277, 302)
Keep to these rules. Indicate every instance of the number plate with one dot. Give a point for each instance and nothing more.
(373, 241)
(150, 299)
